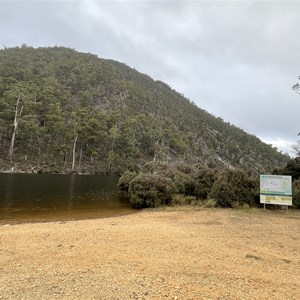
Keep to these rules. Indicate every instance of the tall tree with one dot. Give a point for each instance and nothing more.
(18, 98)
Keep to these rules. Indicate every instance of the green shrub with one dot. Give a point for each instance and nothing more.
(178, 184)
(150, 190)
(292, 168)
(190, 188)
(155, 167)
(296, 193)
(178, 173)
(124, 181)
(185, 168)
(235, 188)
(204, 180)
(200, 183)
(180, 180)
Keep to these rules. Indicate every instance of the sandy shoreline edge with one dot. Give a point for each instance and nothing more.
(154, 254)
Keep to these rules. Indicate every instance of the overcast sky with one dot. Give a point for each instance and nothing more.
(236, 59)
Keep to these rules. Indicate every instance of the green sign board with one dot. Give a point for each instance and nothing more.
(276, 189)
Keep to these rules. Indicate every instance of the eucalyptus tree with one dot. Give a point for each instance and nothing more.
(18, 104)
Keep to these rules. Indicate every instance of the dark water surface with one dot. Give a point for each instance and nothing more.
(38, 198)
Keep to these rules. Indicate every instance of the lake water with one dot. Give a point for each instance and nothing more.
(39, 198)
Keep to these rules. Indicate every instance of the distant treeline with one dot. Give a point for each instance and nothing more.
(64, 111)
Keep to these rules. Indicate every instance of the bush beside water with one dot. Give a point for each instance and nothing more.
(124, 181)
(159, 184)
(234, 188)
(150, 190)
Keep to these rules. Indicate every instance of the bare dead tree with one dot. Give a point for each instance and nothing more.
(18, 114)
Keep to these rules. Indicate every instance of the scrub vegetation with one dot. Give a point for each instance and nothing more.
(160, 183)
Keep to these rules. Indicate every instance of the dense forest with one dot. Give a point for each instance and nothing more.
(65, 111)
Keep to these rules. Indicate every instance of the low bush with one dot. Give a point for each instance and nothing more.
(178, 173)
(180, 180)
(235, 188)
(204, 180)
(150, 190)
(160, 183)
(155, 167)
(124, 181)
(185, 168)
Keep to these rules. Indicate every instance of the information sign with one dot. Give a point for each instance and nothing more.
(276, 189)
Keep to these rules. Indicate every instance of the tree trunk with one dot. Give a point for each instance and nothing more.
(65, 158)
(80, 158)
(74, 151)
(16, 122)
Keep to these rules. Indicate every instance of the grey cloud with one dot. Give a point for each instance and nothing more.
(237, 60)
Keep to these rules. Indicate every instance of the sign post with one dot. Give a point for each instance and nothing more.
(276, 189)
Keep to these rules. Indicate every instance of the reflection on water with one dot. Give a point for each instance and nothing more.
(33, 198)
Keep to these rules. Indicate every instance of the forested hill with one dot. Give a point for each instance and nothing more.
(63, 111)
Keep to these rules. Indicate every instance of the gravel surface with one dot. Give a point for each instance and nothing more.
(155, 254)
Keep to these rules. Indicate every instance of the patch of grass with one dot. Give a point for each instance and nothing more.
(179, 199)
(251, 256)
(287, 261)
(210, 203)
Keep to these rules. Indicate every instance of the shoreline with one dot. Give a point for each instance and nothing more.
(15, 221)
(155, 254)
(131, 211)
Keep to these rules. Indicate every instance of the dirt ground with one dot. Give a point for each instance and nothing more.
(155, 254)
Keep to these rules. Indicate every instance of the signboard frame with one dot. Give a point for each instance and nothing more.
(276, 189)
